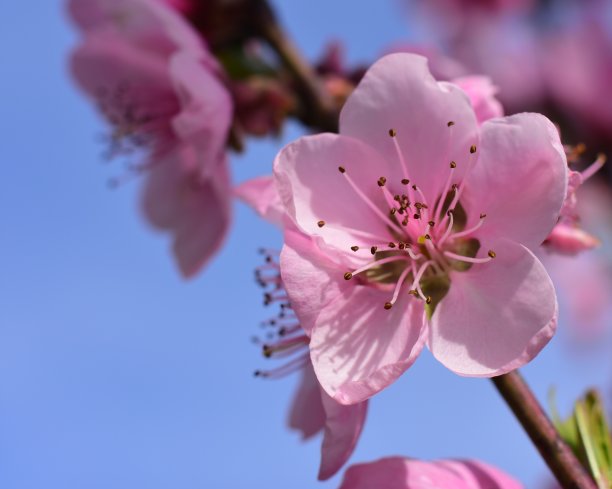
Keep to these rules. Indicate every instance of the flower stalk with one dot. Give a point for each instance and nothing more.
(556, 453)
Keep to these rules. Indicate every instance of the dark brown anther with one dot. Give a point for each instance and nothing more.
(454, 187)
(355, 248)
(453, 164)
(492, 254)
(401, 246)
(417, 216)
(413, 292)
(449, 212)
(483, 215)
(473, 148)
(388, 305)
(428, 300)
(267, 351)
(427, 236)
(321, 224)
(341, 169)
(382, 181)
(450, 124)
(414, 187)
(396, 197)
(391, 244)
(393, 211)
(348, 276)
(373, 249)
(405, 181)
(418, 205)
(401, 210)
(392, 133)
(431, 223)
(405, 221)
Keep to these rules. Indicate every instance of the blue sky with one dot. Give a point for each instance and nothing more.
(115, 373)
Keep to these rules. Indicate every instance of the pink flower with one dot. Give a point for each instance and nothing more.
(481, 92)
(158, 87)
(312, 410)
(424, 225)
(404, 473)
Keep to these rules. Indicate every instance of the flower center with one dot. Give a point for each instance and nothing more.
(426, 241)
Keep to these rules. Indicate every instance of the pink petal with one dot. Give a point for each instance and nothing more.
(358, 348)
(496, 316)
(195, 212)
(520, 179)
(306, 414)
(342, 430)
(405, 473)
(313, 189)
(568, 239)
(311, 279)
(206, 109)
(105, 63)
(149, 24)
(399, 92)
(478, 475)
(261, 195)
(481, 91)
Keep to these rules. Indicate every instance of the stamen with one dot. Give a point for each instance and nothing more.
(470, 230)
(469, 259)
(369, 203)
(393, 134)
(449, 229)
(398, 286)
(594, 167)
(375, 263)
(321, 224)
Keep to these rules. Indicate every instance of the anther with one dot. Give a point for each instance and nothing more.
(428, 300)
(396, 197)
(405, 221)
(388, 305)
(427, 236)
(473, 149)
(449, 212)
(373, 249)
(405, 181)
(483, 215)
(417, 216)
(401, 246)
(453, 164)
(450, 124)
(321, 224)
(341, 169)
(267, 351)
(355, 248)
(382, 181)
(413, 292)
(392, 133)
(454, 187)
(492, 254)
(431, 223)
(391, 244)
(348, 276)
(393, 211)
(414, 187)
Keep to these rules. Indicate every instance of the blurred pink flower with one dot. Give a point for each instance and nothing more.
(405, 473)
(582, 91)
(159, 88)
(312, 410)
(397, 201)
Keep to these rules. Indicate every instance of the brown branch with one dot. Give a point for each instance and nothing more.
(318, 108)
(556, 453)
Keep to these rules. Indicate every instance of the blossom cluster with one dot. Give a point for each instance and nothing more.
(424, 222)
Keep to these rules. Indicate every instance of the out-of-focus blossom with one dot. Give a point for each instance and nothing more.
(406, 473)
(482, 94)
(579, 73)
(158, 87)
(567, 237)
(419, 234)
(312, 410)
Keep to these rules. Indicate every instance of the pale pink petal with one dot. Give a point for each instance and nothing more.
(405, 473)
(261, 195)
(358, 347)
(481, 91)
(206, 109)
(568, 239)
(496, 316)
(399, 92)
(343, 427)
(520, 179)
(306, 414)
(478, 475)
(313, 189)
(195, 212)
(149, 24)
(312, 280)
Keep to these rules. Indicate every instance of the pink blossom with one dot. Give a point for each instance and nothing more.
(582, 91)
(419, 226)
(312, 410)
(481, 92)
(405, 473)
(156, 85)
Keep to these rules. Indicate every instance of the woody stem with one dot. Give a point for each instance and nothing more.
(556, 453)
